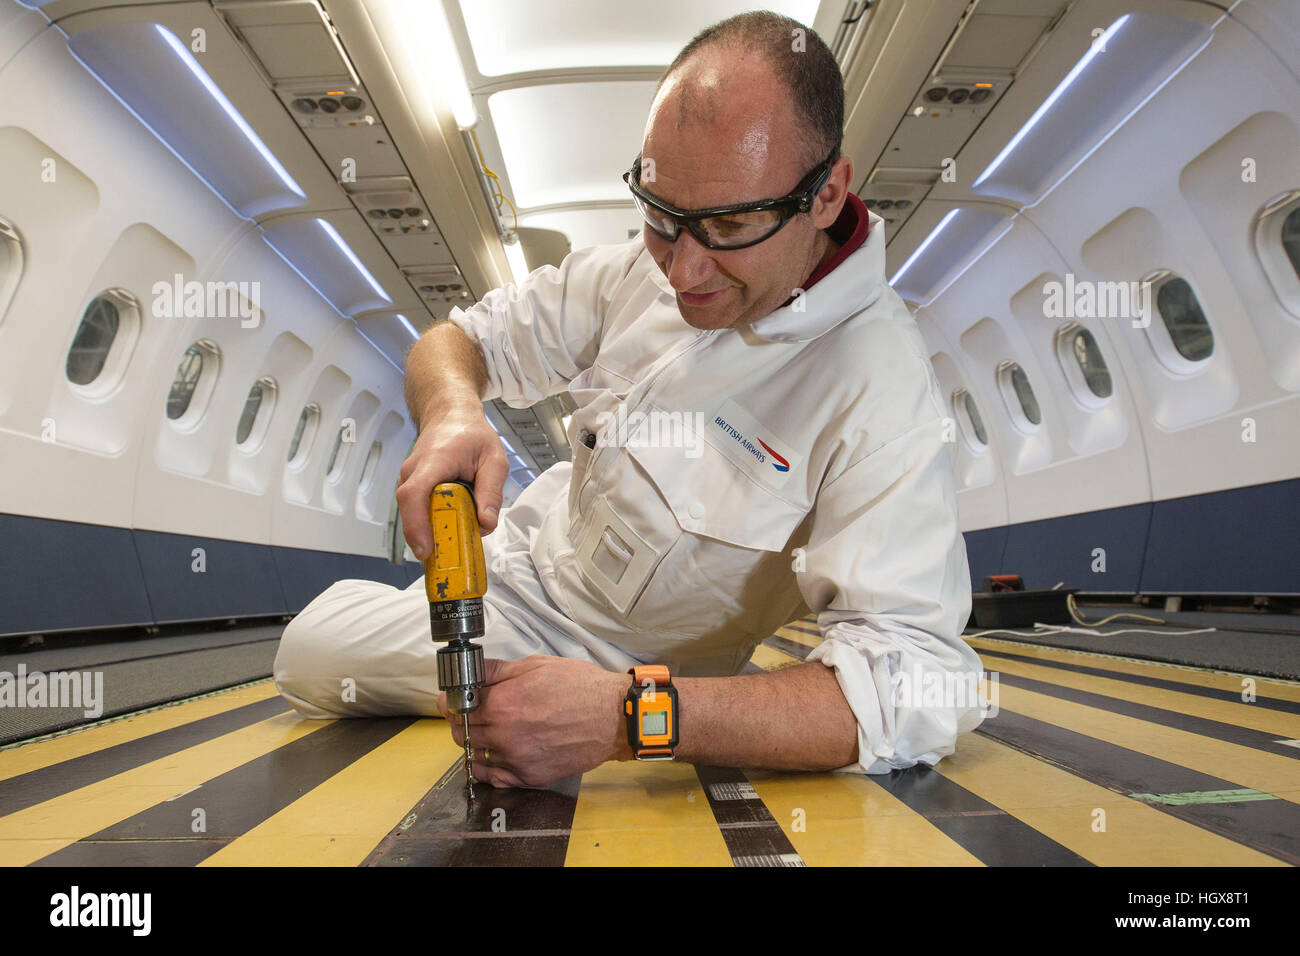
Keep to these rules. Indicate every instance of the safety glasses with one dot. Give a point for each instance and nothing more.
(727, 227)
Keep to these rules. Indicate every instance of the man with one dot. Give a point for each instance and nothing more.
(809, 470)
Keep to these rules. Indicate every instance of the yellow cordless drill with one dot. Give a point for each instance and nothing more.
(455, 578)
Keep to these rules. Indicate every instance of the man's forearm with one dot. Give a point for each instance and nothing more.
(792, 719)
(445, 367)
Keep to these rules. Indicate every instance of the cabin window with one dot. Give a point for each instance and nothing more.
(1019, 397)
(11, 265)
(304, 433)
(339, 456)
(1181, 313)
(1291, 239)
(256, 416)
(185, 381)
(1084, 366)
(101, 347)
(94, 338)
(1277, 244)
(368, 469)
(969, 420)
(193, 384)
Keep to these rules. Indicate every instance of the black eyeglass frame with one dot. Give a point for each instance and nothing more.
(799, 201)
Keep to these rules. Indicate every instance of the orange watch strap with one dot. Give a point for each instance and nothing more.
(654, 672)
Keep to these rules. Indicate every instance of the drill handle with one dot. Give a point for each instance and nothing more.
(455, 570)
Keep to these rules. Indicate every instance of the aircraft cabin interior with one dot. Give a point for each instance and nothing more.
(225, 223)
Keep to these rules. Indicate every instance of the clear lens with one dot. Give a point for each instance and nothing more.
(660, 222)
(719, 232)
(741, 228)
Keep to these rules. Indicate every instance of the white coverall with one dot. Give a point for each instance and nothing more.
(740, 478)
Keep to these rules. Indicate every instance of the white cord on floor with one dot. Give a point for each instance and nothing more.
(1045, 630)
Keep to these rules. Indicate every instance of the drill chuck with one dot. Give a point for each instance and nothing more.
(460, 674)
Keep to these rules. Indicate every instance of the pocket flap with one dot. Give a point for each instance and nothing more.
(711, 496)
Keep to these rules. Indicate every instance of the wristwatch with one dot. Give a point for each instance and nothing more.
(652, 712)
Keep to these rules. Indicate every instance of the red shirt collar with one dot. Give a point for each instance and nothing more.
(850, 231)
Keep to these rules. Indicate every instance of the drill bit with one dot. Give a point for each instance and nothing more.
(469, 757)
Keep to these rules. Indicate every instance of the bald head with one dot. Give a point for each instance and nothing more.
(765, 55)
(734, 111)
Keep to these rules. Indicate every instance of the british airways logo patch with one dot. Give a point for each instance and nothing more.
(780, 464)
(752, 446)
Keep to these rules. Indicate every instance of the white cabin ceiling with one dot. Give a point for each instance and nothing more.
(509, 37)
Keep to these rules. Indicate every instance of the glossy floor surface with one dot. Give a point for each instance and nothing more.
(1091, 759)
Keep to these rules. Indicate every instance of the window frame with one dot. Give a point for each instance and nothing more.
(965, 425)
(1011, 398)
(298, 457)
(1162, 342)
(366, 483)
(1075, 377)
(118, 356)
(341, 453)
(204, 387)
(262, 419)
(17, 262)
(1277, 265)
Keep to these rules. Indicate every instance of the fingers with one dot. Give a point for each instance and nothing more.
(456, 447)
(489, 483)
(413, 504)
(499, 777)
(478, 730)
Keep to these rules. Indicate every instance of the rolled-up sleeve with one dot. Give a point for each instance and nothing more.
(885, 568)
(538, 336)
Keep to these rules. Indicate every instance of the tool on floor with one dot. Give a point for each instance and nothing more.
(455, 578)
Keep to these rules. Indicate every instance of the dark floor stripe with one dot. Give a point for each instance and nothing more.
(1212, 693)
(987, 832)
(787, 646)
(1202, 726)
(28, 789)
(1270, 826)
(232, 803)
(806, 629)
(502, 828)
(752, 835)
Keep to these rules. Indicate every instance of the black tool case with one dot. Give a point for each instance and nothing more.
(1020, 608)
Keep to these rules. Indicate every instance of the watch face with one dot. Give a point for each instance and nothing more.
(654, 723)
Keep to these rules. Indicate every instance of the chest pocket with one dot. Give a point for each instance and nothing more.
(679, 539)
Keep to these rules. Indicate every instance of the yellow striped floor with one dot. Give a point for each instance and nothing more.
(1089, 760)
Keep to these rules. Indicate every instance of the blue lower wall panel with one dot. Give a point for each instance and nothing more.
(1239, 541)
(65, 575)
(238, 578)
(1062, 549)
(984, 553)
(414, 571)
(305, 574)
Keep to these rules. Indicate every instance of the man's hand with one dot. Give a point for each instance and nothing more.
(445, 381)
(456, 443)
(543, 719)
